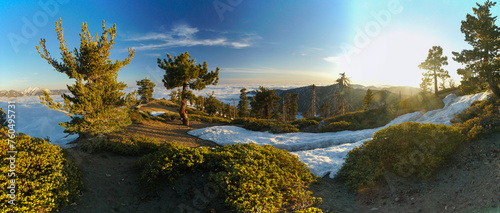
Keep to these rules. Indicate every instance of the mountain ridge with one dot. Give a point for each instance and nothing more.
(30, 91)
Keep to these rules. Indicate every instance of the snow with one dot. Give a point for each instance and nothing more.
(156, 113)
(226, 135)
(324, 153)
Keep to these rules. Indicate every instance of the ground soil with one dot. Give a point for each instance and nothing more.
(469, 183)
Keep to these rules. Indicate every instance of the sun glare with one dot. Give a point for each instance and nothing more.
(390, 58)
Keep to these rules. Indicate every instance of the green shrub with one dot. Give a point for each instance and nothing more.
(253, 177)
(169, 162)
(169, 116)
(209, 119)
(480, 119)
(364, 119)
(303, 123)
(122, 145)
(45, 178)
(337, 126)
(243, 120)
(283, 128)
(138, 116)
(269, 125)
(258, 124)
(407, 149)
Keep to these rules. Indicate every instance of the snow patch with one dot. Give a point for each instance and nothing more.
(324, 153)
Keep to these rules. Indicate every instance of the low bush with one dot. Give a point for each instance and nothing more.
(243, 120)
(169, 162)
(407, 149)
(283, 128)
(304, 123)
(138, 116)
(208, 119)
(45, 178)
(480, 119)
(169, 116)
(122, 145)
(254, 178)
(258, 124)
(269, 125)
(338, 126)
(364, 119)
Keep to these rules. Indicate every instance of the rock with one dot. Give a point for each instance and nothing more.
(397, 199)
(374, 209)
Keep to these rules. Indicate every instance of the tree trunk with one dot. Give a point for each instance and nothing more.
(494, 87)
(435, 83)
(183, 109)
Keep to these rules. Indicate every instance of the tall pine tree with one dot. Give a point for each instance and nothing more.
(341, 101)
(96, 102)
(181, 71)
(433, 63)
(368, 100)
(243, 104)
(263, 104)
(482, 62)
(292, 107)
(146, 89)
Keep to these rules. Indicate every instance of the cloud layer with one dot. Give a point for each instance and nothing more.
(186, 36)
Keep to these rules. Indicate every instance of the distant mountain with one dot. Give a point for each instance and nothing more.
(30, 91)
(324, 94)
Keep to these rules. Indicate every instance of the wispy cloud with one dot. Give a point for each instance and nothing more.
(186, 36)
(153, 54)
(332, 59)
(306, 50)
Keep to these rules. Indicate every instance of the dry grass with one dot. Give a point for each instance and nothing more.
(158, 105)
(170, 131)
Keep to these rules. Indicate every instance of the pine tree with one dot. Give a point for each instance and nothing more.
(243, 104)
(96, 102)
(483, 60)
(292, 106)
(212, 105)
(368, 100)
(340, 100)
(181, 71)
(146, 89)
(433, 63)
(3, 118)
(325, 110)
(263, 104)
(313, 106)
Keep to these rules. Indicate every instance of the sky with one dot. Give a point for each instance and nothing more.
(252, 42)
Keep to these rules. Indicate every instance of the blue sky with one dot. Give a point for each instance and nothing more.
(375, 43)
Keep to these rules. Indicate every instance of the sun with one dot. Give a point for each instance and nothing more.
(389, 59)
